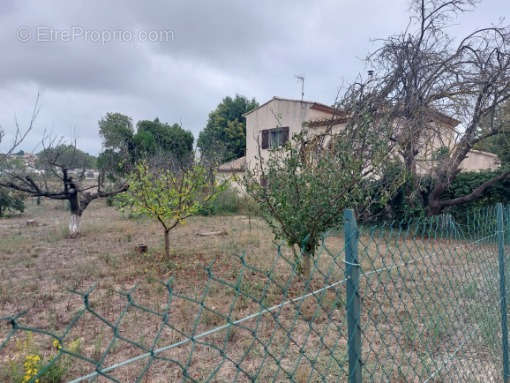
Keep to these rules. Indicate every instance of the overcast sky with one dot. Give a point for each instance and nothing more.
(176, 60)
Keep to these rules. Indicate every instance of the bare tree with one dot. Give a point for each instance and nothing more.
(20, 133)
(56, 181)
(425, 75)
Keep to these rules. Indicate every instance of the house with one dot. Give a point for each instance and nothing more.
(277, 120)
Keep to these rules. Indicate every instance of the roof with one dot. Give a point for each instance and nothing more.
(340, 116)
(314, 105)
(441, 117)
(484, 153)
(237, 165)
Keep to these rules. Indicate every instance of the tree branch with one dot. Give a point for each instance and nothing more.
(476, 193)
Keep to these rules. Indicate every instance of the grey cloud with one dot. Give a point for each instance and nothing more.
(220, 48)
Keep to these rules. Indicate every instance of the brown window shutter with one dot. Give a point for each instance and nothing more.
(285, 135)
(265, 139)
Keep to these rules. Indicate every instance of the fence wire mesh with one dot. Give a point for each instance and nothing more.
(429, 311)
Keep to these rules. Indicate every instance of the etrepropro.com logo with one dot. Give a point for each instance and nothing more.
(48, 34)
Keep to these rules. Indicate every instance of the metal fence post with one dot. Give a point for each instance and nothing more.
(502, 291)
(352, 271)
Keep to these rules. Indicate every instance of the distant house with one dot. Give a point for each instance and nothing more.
(273, 123)
(86, 173)
(28, 159)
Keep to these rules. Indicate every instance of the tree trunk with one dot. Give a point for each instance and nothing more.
(167, 243)
(74, 225)
(307, 264)
(433, 205)
(74, 207)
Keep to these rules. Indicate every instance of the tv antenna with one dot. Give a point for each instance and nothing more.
(302, 79)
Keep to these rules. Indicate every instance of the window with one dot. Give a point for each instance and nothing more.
(273, 138)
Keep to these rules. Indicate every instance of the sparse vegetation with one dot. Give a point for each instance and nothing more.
(167, 195)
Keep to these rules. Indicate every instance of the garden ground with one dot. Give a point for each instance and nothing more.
(426, 301)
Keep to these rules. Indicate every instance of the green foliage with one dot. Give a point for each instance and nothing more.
(11, 201)
(464, 183)
(117, 131)
(405, 201)
(399, 208)
(166, 195)
(229, 201)
(302, 190)
(124, 147)
(441, 153)
(499, 143)
(224, 137)
(154, 137)
(30, 364)
(68, 156)
(303, 186)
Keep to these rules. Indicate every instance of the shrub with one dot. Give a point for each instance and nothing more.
(11, 201)
(230, 201)
(29, 362)
(303, 187)
(227, 202)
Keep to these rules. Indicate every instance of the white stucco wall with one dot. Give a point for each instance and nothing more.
(477, 160)
(281, 113)
(276, 113)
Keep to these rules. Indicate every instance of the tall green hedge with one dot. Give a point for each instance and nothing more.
(464, 184)
(409, 203)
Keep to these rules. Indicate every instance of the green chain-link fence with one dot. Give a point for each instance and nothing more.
(419, 301)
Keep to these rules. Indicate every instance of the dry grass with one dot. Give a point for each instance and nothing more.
(40, 263)
(215, 280)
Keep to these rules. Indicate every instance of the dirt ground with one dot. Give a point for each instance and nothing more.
(421, 312)
(40, 264)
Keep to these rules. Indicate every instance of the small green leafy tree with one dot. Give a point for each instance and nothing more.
(168, 195)
(303, 186)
